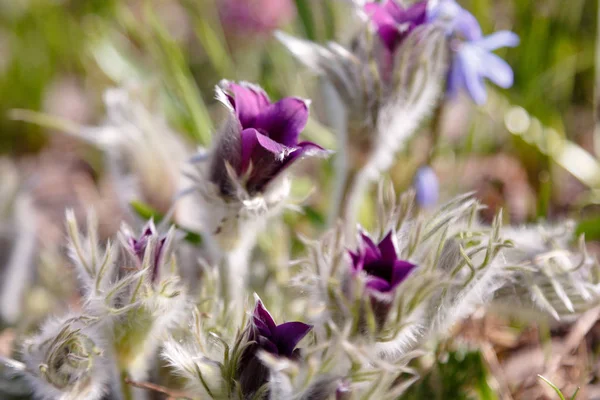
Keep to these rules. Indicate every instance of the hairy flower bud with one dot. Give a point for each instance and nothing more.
(247, 169)
(383, 272)
(263, 334)
(64, 361)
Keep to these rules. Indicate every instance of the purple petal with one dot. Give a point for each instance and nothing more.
(497, 70)
(272, 146)
(385, 24)
(289, 334)
(459, 20)
(261, 313)
(387, 248)
(469, 64)
(370, 250)
(401, 271)
(283, 121)
(467, 25)
(378, 284)
(304, 149)
(426, 186)
(248, 102)
(416, 14)
(267, 344)
(262, 328)
(249, 143)
(357, 261)
(497, 40)
(393, 9)
(455, 79)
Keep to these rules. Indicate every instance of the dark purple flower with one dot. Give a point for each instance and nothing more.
(426, 186)
(138, 247)
(394, 22)
(281, 339)
(261, 138)
(265, 334)
(384, 272)
(380, 263)
(473, 60)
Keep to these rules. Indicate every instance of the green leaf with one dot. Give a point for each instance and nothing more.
(553, 386)
(306, 17)
(589, 227)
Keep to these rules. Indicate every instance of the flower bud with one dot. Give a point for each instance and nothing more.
(383, 272)
(264, 334)
(64, 362)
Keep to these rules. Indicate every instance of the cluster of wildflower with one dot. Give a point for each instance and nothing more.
(365, 301)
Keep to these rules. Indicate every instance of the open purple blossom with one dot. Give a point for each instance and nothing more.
(279, 340)
(473, 60)
(266, 335)
(394, 22)
(380, 263)
(139, 245)
(261, 138)
(427, 187)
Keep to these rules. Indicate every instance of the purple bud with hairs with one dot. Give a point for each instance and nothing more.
(139, 245)
(383, 270)
(394, 22)
(264, 334)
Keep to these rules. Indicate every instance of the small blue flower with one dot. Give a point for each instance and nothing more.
(426, 186)
(473, 60)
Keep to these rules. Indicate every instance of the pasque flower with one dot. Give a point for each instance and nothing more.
(266, 335)
(394, 22)
(383, 270)
(380, 263)
(260, 140)
(473, 60)
(139, 245)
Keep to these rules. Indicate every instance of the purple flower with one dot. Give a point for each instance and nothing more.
(393, 22)
(473, 60)
(265, 334)
(384, 272)
(261, 138)
(138, 247)
(426, 186)
(380, 263)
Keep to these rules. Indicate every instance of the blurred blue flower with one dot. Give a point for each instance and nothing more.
(473, 60)
(426, 186)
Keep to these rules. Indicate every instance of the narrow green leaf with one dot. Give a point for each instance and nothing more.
(306, 17)
(553, 386)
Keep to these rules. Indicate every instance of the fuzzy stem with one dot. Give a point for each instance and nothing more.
(234, 275)
(338, 120)
(355, 190)
(126, 389)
